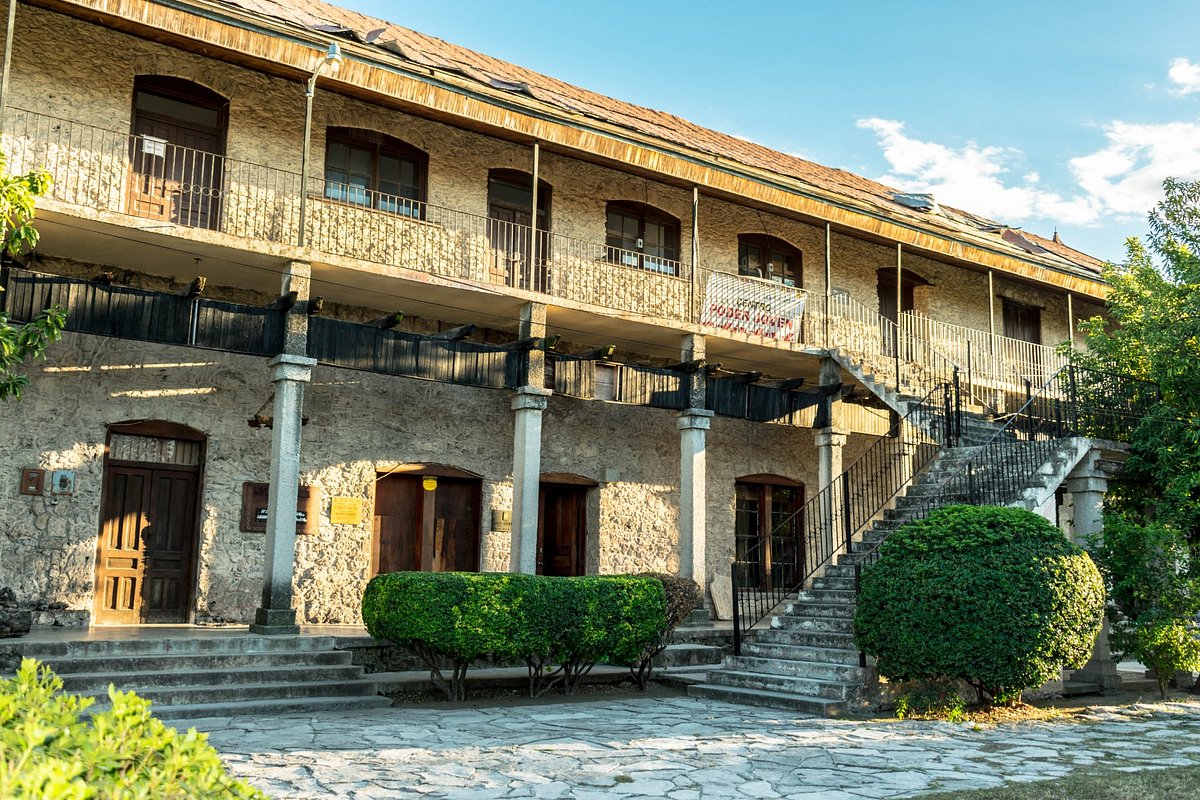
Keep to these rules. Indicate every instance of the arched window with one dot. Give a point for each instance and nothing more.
(372, 169)
(178, 151)
(762, 256)
(642, 236)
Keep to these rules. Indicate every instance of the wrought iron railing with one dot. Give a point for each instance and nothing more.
(830, 520)
(1074, 402)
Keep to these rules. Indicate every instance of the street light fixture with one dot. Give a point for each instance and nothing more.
(332, 59)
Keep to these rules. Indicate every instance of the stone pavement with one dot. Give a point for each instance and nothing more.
(678, 748)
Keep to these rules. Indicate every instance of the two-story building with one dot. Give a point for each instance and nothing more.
(455, 314)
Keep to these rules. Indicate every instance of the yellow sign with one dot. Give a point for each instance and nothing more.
(345, 510)
(429, 483)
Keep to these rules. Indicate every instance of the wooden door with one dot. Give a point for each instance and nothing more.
(147, 545)
(508, 237)
(427, 530)
(176, 174)
(1022, 322)
(768, 533)
(562, 530)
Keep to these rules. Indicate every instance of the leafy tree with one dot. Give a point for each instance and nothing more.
(1154, 334)
(1154, 598)
(18, 194)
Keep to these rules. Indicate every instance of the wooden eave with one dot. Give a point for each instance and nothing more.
(260, 43)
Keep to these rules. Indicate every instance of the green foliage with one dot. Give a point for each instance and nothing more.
(683, 596)
(1155, 596)
(47, 751)
(1154, 334)
(993, 596)
(457, 617)
(934, 699)
(18, 195)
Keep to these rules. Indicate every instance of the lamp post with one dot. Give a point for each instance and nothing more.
(333, 59)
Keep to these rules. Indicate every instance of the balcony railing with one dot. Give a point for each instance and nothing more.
(152, 179)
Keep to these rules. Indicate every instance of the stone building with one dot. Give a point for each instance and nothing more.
(364, 322)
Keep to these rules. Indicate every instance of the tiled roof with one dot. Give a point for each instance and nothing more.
(431, 52)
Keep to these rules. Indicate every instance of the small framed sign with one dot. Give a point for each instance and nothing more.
(33, 480)
(62, 482)
(255, 497)
(345, 510)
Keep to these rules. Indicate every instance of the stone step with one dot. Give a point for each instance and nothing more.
(148, 679)
(814, 670)
(688, 655)
(819, 706)
(196, 693)
(789, 684)
(814, 624)
(247, 643)
(823, 596)
(198, 662)
(812, 609)
(830, 655)
(315, 705)
(839, 571)
(834, 584)
(801, 637)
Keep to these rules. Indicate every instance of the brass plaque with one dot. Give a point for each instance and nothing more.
(345, 510)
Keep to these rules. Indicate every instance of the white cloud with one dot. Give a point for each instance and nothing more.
(1120, 181)
(1185, 75)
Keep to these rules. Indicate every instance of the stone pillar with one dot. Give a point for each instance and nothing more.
(1087, 484)
(276, 615)
(528, 405)
(693, 425)
(830, 442)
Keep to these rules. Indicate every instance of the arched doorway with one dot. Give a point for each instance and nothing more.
(426, 520)
(146, 551)
(177, 151)
(769, 529)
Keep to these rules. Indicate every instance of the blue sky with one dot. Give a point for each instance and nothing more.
(1042, 115)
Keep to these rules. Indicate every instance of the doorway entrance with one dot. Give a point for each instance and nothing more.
(886, 288)
(510, 229)
(768, 531)
(562, 528)
(177, 152)
(146, 553)
(427, 520)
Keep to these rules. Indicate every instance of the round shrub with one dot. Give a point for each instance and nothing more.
(995, 596)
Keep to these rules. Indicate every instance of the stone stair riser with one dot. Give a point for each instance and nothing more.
(198, 663)
(180, 646)
(790, 684)
(815, 670)
(804, 705)
(191, 695)
(796, 652)
(147, 681)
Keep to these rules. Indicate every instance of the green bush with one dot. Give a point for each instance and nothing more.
(1155, 598)
(47, 751)
(994, 596)
(683, 596)
(455, 618)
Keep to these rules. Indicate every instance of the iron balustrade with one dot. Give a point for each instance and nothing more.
(828, 522)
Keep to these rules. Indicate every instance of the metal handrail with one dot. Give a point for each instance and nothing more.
(829, 521)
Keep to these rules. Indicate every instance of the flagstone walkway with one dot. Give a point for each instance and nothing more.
(677, 748)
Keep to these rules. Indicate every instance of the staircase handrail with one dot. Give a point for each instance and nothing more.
(1025, 441)
(828, 521)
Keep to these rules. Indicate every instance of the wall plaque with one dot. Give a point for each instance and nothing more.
(255, 503)
(33, 480)
(345, 510)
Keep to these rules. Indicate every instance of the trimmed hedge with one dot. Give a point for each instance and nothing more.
(573, 623)
(995, 596)
(47, 751)
(683, 596)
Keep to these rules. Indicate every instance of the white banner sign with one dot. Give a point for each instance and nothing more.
(753, 306)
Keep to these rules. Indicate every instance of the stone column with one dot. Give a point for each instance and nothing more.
(528, 405)
(693, 424)
(276, 615)
(830, 442)
(1087, 484)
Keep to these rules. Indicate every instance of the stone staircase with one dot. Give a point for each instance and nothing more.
(806, 660)
(210, 676)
